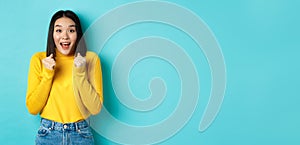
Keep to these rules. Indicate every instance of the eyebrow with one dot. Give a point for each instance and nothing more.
(61, 26)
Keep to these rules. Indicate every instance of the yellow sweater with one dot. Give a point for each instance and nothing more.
(65, 94)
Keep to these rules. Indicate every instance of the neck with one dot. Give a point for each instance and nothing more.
(60, 55)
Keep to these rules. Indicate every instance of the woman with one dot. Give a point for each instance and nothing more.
(64, 84)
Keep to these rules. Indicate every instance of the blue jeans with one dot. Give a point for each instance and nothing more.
(55, 133)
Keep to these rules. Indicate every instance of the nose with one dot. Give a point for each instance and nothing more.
(65, 35)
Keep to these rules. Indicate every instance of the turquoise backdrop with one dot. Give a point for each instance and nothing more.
(259, 40)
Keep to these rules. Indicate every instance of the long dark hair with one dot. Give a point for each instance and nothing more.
(80, 46)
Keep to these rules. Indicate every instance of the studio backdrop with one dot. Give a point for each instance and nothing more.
(174, 72)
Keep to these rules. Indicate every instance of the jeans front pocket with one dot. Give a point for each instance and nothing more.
(85, 132)
(43, 131)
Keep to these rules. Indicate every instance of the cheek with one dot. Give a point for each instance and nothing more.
(56, 38)
(73, 38)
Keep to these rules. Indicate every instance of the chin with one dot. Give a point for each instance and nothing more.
(65, 52)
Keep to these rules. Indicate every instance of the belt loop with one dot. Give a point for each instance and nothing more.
(88, 122)
(76, 126)
(52, 125)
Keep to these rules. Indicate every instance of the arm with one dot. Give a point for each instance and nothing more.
(39, 86)
(87, 81)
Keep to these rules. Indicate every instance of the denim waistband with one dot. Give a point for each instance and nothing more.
(63, 126)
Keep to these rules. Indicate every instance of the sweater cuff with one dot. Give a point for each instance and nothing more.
(79, 71)
(48, 74)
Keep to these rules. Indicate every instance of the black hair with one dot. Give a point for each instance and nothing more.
(80, 46)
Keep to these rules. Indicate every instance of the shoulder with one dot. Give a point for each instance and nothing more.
(35, 61)
(91, 55)
(92, 58)
(38, 56)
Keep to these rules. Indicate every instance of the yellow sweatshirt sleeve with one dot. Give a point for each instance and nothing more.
(39, 85)
(87, 82)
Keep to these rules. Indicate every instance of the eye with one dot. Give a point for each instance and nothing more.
(72, 31)
(58, 30)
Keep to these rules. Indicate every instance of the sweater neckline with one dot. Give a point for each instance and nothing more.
(59, 55)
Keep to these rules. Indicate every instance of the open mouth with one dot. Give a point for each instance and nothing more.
(65, 45)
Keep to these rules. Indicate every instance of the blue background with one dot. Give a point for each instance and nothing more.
(259, 41)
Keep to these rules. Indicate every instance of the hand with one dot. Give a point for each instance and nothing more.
(49, 62)
(79, 61)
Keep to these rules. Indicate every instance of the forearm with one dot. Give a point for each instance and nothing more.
(90, 98)
(38, 92)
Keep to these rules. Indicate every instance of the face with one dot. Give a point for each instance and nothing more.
(65, 35)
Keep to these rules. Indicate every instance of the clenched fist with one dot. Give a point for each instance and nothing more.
(79, 61)
(49, 62)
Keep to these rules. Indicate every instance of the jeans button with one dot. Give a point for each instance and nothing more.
(65, 126)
